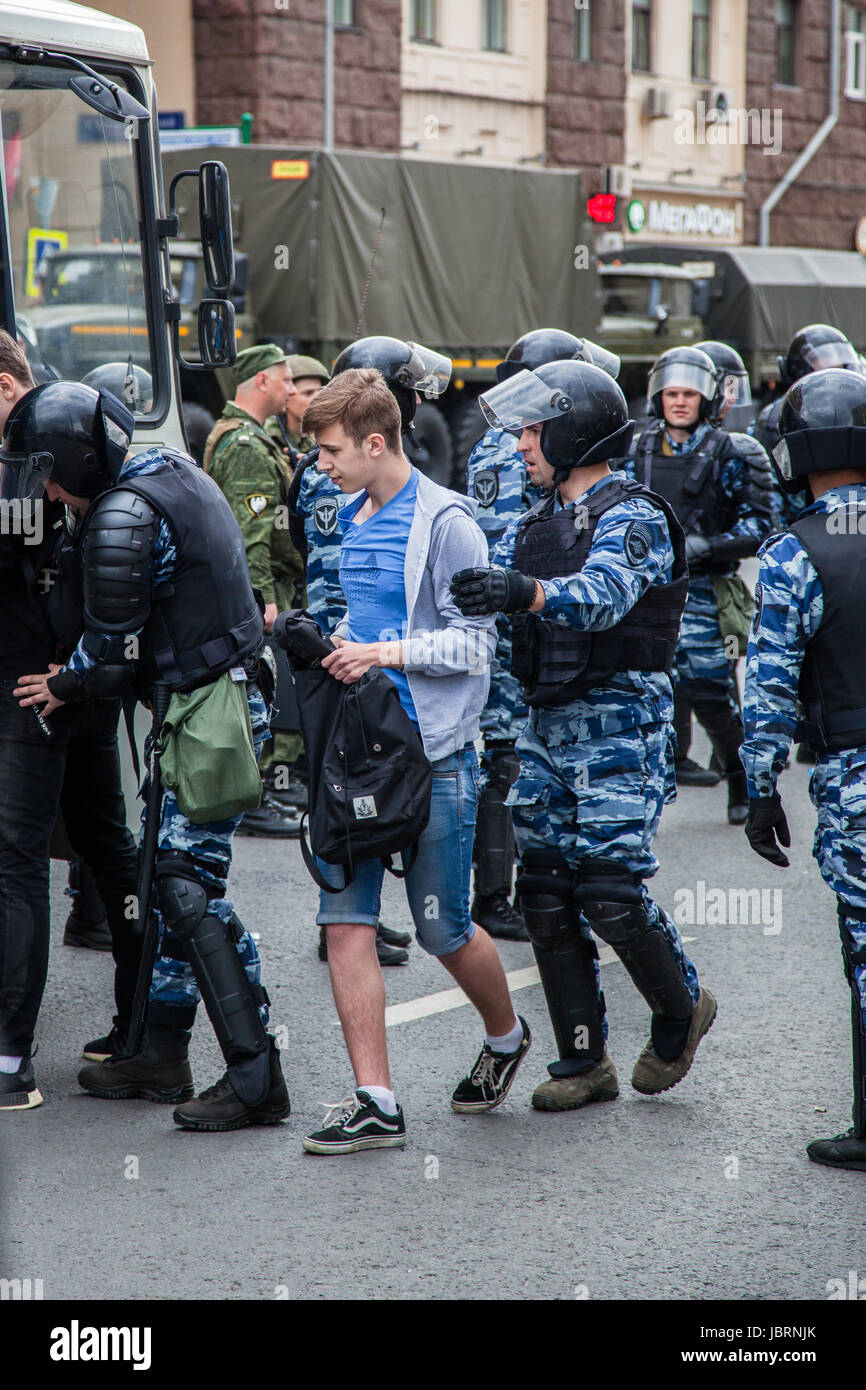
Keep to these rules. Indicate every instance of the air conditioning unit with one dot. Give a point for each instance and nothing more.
(657, 102)
(718, 99)
(616, 178)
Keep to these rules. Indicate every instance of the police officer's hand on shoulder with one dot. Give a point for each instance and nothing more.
(496, 590)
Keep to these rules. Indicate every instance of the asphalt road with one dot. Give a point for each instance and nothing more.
(705, 1192)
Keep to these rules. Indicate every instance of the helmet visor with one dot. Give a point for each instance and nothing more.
(426, 371)
(25, 475)
(735, 389)
(600, 357)
(686, 376)
(830, 355)
(522, 400)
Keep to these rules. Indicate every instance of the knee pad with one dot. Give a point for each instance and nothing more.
(544, 886)
(181, 896)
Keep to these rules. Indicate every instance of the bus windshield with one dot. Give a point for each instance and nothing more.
(73, 216)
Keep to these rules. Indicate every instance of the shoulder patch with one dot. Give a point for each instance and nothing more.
(637, 542)
(325, 511)
(485, 487)
(256, 502)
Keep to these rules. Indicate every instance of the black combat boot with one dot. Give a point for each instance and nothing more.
(220, 1108)
(159, 1071)
(270, 818)
(386, 953)
(688, 772)
(86, 924)
(286, 787)
(726, 735)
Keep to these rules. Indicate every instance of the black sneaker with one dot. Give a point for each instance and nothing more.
(101, 1049)
(18, 1089)
(391, 937)
(499, 918)
(387, 955)
(270, 818)
(357, 1123)
(491, 1078)
(845, 1151)
(220, 1108)
(690, 774)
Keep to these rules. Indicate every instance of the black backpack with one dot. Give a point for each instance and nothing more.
(369, 778)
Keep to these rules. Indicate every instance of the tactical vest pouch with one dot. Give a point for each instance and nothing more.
(736, 604)
(524, 649)
(208, 759)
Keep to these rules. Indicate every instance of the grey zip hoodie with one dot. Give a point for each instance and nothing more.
(446, 656)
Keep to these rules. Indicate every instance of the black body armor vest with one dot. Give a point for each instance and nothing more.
(690, 483)
(832, 686)
(558, 664)
(205, 619)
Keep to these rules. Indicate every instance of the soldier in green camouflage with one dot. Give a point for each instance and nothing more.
(309, 375)
(254, 473)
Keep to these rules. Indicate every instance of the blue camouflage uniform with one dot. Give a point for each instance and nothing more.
(208, 844)
(496, 478)
(319, 502)
(703, 667)
(788, 612)
(595, 773)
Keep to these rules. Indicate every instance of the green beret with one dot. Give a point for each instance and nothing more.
(256, 359)
(307, 366)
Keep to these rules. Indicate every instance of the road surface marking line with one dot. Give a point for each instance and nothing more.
(446, 999)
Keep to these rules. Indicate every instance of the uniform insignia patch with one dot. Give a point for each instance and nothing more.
(485, 487)
(256, 502)
(638, 542)
(325, 516)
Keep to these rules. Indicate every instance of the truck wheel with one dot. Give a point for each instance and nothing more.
(197, 423)
(467, 426)
(429, 446)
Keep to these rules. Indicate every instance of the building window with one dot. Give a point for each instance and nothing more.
(582, 31)
(641, 22)
(786, 14)
(701, 38)
(855, 42)
(493, 25)
(344, 12)
(423, 21)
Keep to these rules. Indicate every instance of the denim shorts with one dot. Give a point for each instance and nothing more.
(437, 885)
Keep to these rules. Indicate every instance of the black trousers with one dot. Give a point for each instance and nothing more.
(78, 770)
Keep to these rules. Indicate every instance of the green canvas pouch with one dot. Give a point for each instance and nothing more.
(736, 605)
(207, 756)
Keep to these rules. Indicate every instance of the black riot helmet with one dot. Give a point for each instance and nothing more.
(822, 426)
(407, 368)
(68, 433)
(125, 380)
(688, 368)
(732, 378)
(815, 347)
(582, 411)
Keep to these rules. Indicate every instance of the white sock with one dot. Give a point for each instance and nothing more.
(382, 1096)
(509, 1042)
(10, 1064)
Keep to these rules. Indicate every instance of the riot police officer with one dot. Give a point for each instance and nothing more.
(163, 600)
(723, 509)
(315, 502)
(496, 478)
(595, 574)
(807, 645)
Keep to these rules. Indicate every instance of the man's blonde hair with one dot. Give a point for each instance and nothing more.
(359, 400)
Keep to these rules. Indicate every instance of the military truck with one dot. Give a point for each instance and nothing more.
(85, 274)
(646, 309)
(753, 297)
(464, 259)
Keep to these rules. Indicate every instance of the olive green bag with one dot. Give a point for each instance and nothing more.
(207, 755)
(736, 605)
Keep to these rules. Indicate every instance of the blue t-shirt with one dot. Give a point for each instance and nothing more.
(372, 564)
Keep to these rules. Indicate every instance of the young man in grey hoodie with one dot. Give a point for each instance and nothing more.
(403, 538)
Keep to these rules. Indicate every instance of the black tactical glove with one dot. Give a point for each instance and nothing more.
(300, 637)
(698, 549)
(767, 824)
(496, 590)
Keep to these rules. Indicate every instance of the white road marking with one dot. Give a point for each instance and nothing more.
(447, 999)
